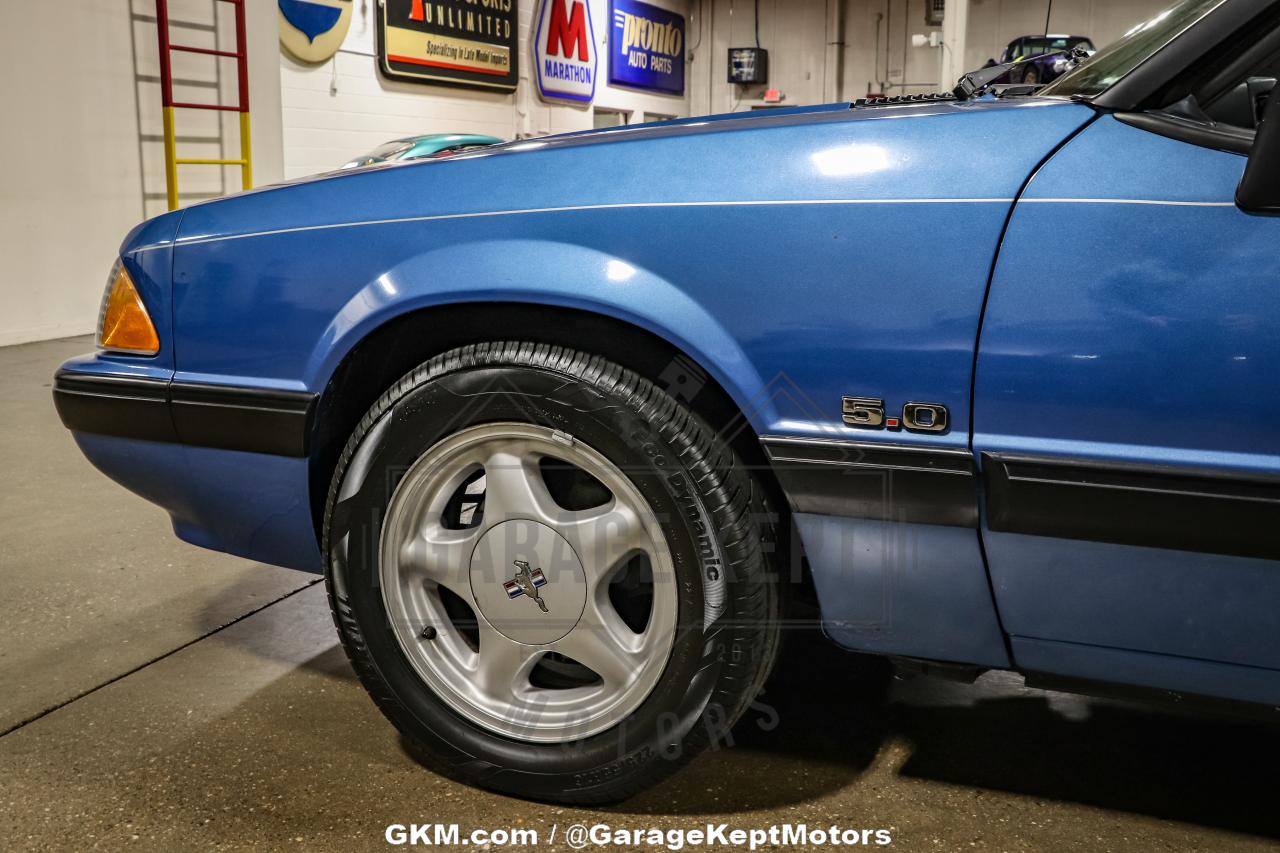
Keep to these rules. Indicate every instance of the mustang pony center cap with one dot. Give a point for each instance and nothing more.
(528, 582)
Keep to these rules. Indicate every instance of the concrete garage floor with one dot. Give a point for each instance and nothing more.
(133, 718)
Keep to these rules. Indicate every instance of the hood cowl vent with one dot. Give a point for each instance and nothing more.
(903, 99)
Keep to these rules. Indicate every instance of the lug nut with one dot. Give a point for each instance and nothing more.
(428, 633)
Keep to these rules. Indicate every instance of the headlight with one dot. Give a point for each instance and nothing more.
(123, 322)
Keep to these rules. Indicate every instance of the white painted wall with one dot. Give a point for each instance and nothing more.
(83, 160)
(343, 107)
(794, 33)
(895, 68)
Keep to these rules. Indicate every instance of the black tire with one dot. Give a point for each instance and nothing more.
(713, 517)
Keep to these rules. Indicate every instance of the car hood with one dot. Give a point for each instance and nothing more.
(982, 148)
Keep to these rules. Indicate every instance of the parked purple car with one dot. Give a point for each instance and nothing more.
(1037, 67)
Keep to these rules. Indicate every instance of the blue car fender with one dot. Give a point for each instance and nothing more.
(540, 272)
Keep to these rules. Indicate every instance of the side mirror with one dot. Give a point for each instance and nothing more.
(1259, 190)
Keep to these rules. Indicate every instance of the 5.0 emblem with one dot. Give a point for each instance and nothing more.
(868, 413)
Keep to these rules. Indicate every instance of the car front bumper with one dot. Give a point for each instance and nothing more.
(229, 464)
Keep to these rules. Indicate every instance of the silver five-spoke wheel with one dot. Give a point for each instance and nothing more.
(550, 575)
(528, 582)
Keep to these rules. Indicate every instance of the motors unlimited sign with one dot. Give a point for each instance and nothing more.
(457, 42)
(564, 53)
(646, 47)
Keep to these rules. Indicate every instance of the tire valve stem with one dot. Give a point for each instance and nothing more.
(429, 633)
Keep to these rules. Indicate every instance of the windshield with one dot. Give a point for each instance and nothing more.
(388, 150)
(385, 151)
(1096, 74)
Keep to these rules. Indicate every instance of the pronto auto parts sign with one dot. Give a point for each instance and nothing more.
(646, 47)
(564, 51)
(456, 42)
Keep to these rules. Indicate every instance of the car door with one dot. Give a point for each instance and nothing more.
(1127, 419)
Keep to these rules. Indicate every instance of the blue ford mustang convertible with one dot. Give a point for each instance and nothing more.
(570, 425)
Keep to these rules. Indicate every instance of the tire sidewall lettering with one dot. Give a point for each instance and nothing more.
(679, 705)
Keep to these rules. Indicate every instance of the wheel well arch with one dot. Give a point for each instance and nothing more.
(394, 348)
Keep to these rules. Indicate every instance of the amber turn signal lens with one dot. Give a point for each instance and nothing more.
(125, 324)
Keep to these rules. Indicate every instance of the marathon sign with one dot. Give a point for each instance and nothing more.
(646, 47)
(564, 51)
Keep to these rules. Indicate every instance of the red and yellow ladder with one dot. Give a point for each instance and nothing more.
(171, 159)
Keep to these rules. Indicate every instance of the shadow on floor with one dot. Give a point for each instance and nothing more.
(1211, 771)
(826, 715)
(309, 755)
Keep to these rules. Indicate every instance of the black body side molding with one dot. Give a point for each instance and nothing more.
(875, 480)
(128, 407)
(1212, 512)
(255, 420)
(1158, 507)
(233, 418)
